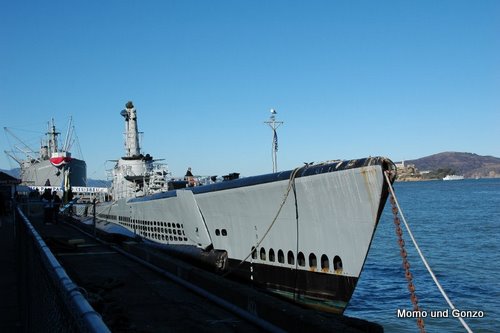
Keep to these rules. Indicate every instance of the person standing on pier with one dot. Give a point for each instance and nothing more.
(56, 201)
(189, 177)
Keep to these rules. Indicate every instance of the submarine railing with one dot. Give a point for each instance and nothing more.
(48, 298)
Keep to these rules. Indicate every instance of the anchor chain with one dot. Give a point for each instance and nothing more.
(406, 264)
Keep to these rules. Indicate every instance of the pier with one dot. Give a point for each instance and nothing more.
(60, 277)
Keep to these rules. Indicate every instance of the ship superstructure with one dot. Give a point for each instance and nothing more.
(135, 174)
(303, 234)
(453, 177)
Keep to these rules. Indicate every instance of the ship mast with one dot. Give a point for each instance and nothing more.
(69, 134)
(52, 135)
(274, 125)
(132, 148)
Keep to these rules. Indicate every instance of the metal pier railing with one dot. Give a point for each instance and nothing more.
(49, 300)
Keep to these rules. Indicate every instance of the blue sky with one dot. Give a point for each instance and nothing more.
(350, 79)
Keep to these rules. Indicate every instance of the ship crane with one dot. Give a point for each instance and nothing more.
(12, 156)
(27, 150)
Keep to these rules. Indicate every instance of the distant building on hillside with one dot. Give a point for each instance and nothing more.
(407, 172)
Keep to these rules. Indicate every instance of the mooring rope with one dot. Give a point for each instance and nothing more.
(391, 189)
(291, 181)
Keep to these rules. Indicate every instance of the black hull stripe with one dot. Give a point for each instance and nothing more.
(309, 288)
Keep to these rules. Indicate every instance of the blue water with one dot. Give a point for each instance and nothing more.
(457, 226)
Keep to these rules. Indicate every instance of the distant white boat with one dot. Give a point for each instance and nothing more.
(453, 177)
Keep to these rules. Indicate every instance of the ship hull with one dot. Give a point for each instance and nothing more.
(303, 234)
(325, 292)
(39, 173)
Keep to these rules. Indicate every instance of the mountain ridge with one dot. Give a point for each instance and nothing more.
(469, 165)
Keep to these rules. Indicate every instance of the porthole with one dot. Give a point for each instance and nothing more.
(254, 253)
(313, 263)
(301, 260)
(291, 258)
(262, 253)
(217, 232)
(224, 232)
(325, 263)
(281, 257)
(337, 264)
(271, 255)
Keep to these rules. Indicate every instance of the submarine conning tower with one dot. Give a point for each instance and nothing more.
(132, 149)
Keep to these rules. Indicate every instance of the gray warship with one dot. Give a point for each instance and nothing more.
(53, 165)
(303, 234)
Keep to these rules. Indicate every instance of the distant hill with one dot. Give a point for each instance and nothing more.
(12, 172)
(468, 165)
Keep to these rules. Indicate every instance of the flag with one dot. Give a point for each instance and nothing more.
(275, 141)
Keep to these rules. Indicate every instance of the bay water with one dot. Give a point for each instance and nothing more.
(457, 227)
